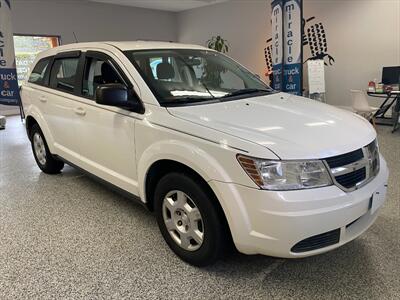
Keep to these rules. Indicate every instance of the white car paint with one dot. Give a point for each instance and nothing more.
(120, 146)
(286, 124)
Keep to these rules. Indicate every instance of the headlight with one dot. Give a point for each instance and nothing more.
(285, 175)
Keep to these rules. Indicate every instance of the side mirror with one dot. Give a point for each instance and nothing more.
(116, 94)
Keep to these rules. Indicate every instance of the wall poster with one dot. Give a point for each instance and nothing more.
(9, 90)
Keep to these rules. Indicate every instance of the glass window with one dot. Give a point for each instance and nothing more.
(154, 62)
(63, 74)
(98, 72)
(26, 49)
(39, 71)
(179, 76)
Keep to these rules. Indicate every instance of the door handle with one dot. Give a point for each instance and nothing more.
(80, 111)
(43, 99)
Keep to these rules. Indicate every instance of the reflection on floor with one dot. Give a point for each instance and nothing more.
(67, 236)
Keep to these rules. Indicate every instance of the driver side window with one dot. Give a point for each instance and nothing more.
(97, 72)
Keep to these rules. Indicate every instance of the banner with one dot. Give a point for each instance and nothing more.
(293, 47)
(277, 44)
(9, 90)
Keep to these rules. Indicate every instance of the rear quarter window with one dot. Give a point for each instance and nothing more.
(38, 73)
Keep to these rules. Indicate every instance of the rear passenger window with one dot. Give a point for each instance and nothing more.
(63, 74)
(38, 73)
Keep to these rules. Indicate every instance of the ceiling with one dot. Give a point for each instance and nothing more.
(168, 5)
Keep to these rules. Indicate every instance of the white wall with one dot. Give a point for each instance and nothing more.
(363, 36)
(91, 22)
(245, 24)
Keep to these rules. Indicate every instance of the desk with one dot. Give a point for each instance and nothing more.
(390, 99)
(396, 114)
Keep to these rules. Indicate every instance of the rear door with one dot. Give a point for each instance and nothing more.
(59, 105)
(32, 93)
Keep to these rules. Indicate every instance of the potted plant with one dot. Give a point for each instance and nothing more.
(213, 73)
(218, 43)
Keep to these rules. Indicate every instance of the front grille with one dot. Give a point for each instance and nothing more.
(354, 169)
(317, 241)
(345, 159)
(350, 180)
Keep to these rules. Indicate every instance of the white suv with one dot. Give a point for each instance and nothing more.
(216, 153)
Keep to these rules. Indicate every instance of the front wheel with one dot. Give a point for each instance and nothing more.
(189, 219)
(44, 159)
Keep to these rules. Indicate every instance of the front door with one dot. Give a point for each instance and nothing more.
(106, 133)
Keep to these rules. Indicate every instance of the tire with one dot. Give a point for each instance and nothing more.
(44, 159)
(180, 223)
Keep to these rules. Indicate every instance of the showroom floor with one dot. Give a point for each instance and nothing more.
(68, 236)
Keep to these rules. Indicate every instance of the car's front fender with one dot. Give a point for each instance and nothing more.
(195, 158)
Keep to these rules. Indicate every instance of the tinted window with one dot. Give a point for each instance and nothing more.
(63, 74)
(98, 72)
(38, 73)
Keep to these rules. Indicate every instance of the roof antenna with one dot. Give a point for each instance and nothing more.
(76, 40)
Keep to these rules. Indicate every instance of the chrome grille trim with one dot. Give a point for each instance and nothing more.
(369, 161)
(349, 168)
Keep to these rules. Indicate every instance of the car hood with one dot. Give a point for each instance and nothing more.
(292, 127)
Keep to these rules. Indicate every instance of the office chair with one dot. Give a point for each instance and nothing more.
(361, 106)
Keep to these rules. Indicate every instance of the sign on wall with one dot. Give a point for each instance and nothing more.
(316, 76)
(9, 91)
(286, 47)
(277, 44)
(292, 41)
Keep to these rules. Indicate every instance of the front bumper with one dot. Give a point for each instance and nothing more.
(273, 222)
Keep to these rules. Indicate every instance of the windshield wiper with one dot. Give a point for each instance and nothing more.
(187, 100)
(246, 92)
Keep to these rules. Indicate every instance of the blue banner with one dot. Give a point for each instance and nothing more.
(277, 43)
(9, 90)
(293, 47)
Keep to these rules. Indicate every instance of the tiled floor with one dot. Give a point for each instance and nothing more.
(67, 236)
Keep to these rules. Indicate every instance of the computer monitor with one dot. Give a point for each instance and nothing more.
(391, 75)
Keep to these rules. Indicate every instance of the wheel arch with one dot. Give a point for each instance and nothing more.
(35, 117)
(162, 167)
(183, 156)
(29, 122)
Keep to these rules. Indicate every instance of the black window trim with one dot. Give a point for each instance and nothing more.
(105, 57)
(69, 54)
(80, 73)
(66, 55)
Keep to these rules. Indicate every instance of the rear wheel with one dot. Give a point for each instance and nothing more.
(189, 219)
(44, 159)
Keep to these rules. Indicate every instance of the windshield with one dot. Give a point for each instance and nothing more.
(181, 76)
